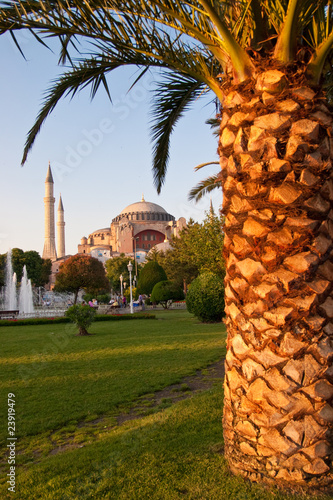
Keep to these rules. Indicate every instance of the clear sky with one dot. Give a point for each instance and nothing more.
(100, 153)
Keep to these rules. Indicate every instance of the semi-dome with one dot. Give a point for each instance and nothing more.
(99, 232)
(143, 206)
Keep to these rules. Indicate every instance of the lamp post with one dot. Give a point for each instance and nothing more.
(121, 285)
(135, 261)
(130, 268)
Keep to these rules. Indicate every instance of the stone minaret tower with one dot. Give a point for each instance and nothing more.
(49, 251)
(211, 210)
(61, 230)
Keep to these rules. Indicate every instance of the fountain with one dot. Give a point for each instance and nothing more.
(25, 298)
(25, 304)
(22, 307)
(10, 287)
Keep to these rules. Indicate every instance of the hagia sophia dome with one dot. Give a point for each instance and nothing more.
(143, 206)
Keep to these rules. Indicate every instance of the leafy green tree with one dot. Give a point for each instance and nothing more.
(45, 273)
(127, 294)
(205, 297)
(81, 271)
(150, 274)
(269, 64)
(2, 269)
(197, 249)
(38, 269)
(18, 262)
(165, 292)
(34, 264)
(115, 267)
(82, 316)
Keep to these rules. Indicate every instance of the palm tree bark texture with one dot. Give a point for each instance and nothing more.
(275, 152)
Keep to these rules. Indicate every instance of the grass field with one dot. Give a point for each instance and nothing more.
(69, 391)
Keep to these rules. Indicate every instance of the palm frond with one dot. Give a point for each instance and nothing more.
(204, 187)
(198, 167)
(90, 72)
(173, 96)
(201, 41)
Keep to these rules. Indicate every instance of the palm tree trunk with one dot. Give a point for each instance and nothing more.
(276, 150)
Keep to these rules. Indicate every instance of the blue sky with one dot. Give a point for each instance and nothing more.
(100, 153)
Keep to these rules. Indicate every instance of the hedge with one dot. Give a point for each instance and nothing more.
(53, 321)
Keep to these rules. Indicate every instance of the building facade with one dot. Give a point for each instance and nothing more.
(136, 230)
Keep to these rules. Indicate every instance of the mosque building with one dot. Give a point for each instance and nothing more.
(134, 232)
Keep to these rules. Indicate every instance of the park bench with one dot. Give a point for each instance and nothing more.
(9, 314)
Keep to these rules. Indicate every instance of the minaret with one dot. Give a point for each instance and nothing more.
(49, 251)
(211, 211)
(61, 230)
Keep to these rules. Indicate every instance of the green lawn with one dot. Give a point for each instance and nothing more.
(62, 383)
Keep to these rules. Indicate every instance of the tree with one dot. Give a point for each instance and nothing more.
(18, 262)
(151, 274)
(205, 298)
(45, 272)
(81, 271)
(198, 249)
(268, 64)
(116, 267)
(165, 292)
(82, 316)
(38, 269)
(2, 269)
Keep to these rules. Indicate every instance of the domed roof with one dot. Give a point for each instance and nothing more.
(162, 247)
(143, 206)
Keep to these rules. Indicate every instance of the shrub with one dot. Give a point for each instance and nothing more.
(104, 298)
(205, 298)
(101, 299)
(165, 292)
(82, 316)
(151, 274)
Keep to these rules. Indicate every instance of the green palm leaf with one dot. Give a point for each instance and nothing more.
(203, 41)
(204, 187)
(173, 96)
